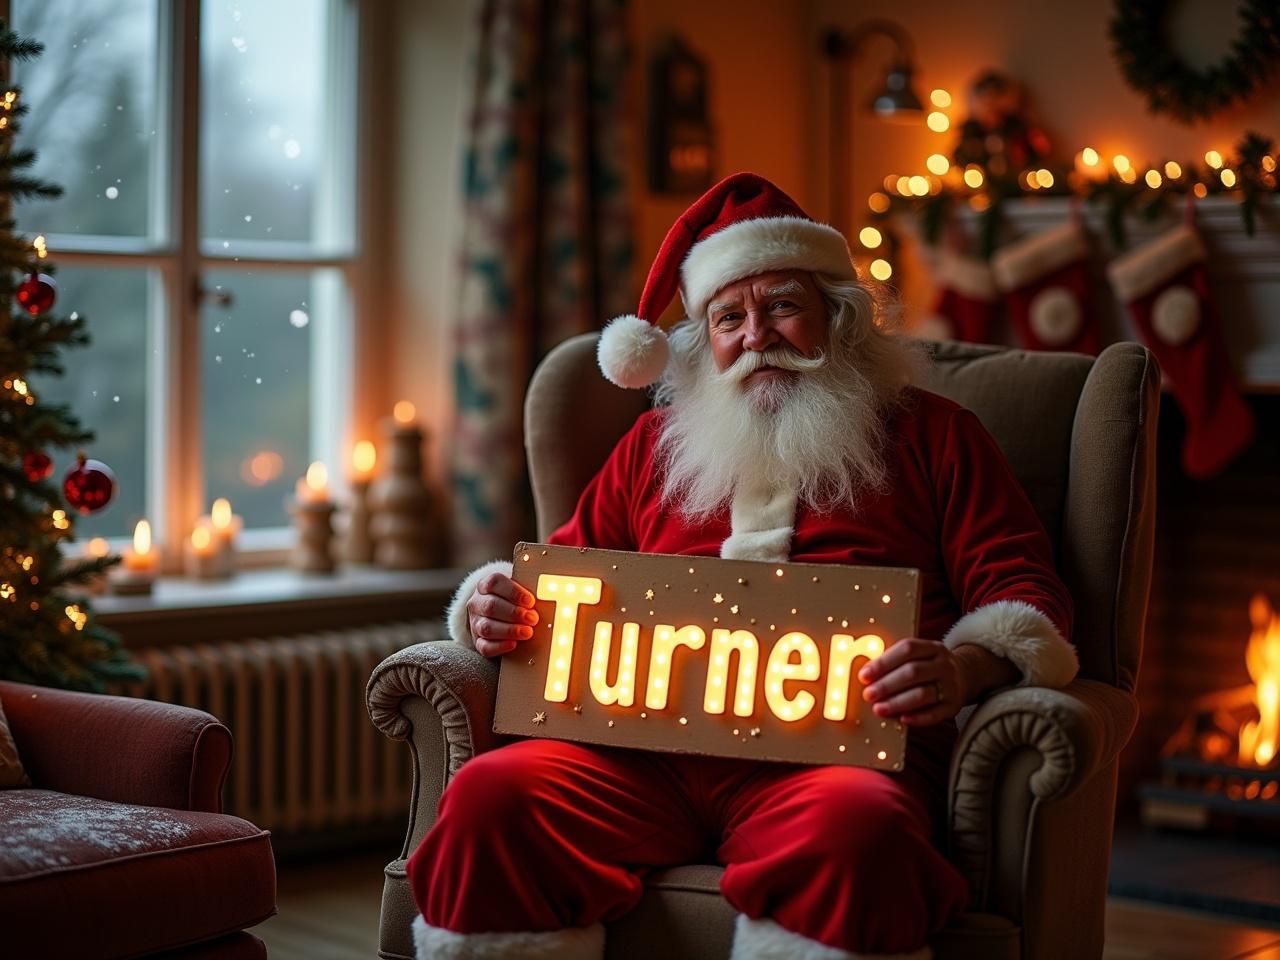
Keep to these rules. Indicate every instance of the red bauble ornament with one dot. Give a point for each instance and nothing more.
(36, 466)
(36, 294)
(89, 485)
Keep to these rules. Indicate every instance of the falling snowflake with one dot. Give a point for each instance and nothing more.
(248, 218)
(300, 319)
(257, 380)
(112, 193)
(240, 44)
(116, 398)
(292, 149)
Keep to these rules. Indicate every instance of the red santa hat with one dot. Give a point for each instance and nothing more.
(742, 226)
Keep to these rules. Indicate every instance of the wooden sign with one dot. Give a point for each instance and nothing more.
(701, 655)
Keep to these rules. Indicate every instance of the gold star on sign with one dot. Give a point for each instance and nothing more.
(717, 599)
(540, 717)
(577, 708)
(648, 594)
(734, 608)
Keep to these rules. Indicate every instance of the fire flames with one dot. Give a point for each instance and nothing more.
(1258, 738)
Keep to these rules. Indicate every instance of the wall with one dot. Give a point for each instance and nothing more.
(1061, 52)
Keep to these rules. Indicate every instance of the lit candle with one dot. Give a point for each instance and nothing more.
(225, 525)
(314, 487)
(203, 556)
(141, 563)
(363, 459)
(358, 546)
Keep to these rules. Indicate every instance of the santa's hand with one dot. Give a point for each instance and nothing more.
(500, 614)
(920, 682)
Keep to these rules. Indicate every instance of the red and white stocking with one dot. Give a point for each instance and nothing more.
(1045, 279)
(1166, 289)
(967, 302)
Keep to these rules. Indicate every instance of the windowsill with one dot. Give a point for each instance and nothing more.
(275, 601)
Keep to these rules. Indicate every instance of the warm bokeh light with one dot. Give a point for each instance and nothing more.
(1129, 175)
(938, 122)
(940, 98)
(1121, 163)
(1173, 170)
(1269, 163)
(1153, 179)
(404, 411)
(1213, 158)
(97, 547)
(317, 476)
(881, 270)
(903, 186)
(363, 458)
(201, 537)
(1200, 190)
(220, 513)
(261, 468)
(1044, 178)
(870, 237)
(1228, 178)
(973, 177)
(919, 186)
(1089, 157)
(878, 203)
(142, 537)
(938, 164)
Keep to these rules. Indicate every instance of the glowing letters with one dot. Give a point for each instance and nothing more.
(568, 593)
(666, 640)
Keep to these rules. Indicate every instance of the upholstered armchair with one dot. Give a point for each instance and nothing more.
(119, 847)
(1033, 775)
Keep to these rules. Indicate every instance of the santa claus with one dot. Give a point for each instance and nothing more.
(786, 427)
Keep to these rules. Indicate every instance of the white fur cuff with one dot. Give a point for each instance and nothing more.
(763, 522)
(764, 940)
(572, 943)
(1017, 631)
(456, 618)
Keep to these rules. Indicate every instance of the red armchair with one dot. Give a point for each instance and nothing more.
(119, 848)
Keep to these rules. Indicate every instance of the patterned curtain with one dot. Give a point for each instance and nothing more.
(547, 241)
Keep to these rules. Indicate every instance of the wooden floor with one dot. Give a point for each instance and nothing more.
(329, 911)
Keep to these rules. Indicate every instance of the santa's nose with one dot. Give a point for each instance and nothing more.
(758, 334)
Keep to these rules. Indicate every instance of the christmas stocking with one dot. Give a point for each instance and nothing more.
(1045, 279)
(967, 301)
(1165, 287)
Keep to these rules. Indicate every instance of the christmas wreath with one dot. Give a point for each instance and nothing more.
(1170, 84)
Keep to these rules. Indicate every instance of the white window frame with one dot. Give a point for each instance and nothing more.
(177, 259)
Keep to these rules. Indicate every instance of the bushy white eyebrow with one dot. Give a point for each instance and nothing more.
(722, 305)
(788, 289)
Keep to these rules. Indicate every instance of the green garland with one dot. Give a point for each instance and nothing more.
(1171, 86)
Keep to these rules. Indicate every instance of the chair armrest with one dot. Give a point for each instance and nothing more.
(119, 748)
(1021, 748)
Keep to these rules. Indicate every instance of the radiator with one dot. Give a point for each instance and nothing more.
(307, 757)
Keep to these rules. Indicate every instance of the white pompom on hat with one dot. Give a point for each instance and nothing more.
(742, 226)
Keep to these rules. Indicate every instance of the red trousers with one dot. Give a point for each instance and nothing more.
(546, 834)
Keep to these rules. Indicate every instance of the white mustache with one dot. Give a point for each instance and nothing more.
(780, 357)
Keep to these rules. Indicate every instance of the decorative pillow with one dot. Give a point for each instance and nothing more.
(11, 774)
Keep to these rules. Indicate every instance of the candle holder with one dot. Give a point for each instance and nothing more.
(124, 581)
(204, 558)
(403, 507)
(313, 552)
(358, 544)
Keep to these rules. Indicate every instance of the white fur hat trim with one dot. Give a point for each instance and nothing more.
(632, 353)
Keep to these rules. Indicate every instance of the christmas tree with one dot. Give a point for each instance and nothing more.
(48, 634)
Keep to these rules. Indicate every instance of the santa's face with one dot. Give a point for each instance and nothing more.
(774, 314)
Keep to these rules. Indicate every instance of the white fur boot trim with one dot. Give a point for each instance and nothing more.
(764, 940)
(763, 522)
(456, 618)
(572, 943)
(1017, 631)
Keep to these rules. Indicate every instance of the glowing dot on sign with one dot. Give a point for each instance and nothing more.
(1228, 178)
(299, 318)
(1153, 179)
(869, 237)
(1044, 178)
(886, 598)
(1121, 163)
(1089, 157)
(878, 202)
(842, 748)
(684, 721)
(691, 569)
(881, 270)
(1213, 158)
(404, 411)
(292, 149)
(1173, 170)
(937, 122)
(112, 193)
(881, 755)
(940, 98)
(919, 186)
(973, 177)
(778, 572)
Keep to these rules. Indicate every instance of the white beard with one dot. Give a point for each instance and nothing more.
(818, 431)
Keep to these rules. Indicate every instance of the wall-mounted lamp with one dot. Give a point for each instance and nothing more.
(895, 99)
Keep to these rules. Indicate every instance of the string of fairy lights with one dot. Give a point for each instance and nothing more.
(1116, 181)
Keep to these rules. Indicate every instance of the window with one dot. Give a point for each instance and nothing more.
(207, 229)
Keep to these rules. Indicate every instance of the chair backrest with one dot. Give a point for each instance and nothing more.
(1079, 433)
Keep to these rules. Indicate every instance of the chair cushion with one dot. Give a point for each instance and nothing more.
(87, 877)
(11, 772)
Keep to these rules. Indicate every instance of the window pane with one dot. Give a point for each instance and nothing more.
(257, 359)
(106, 386)
(268, 155)
(93, 113)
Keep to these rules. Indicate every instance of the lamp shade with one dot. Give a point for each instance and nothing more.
(897, 99)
